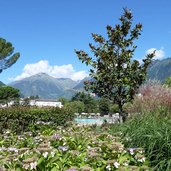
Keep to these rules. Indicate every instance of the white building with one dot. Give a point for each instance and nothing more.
(45, 102)
(36, 102)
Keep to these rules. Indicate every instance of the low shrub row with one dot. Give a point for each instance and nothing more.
(20, 119)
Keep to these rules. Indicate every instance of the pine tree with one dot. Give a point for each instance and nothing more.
(7, 55)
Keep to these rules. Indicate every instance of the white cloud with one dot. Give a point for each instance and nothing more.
(159, 54)
(63, 71)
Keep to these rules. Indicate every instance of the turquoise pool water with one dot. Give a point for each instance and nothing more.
(90, 120)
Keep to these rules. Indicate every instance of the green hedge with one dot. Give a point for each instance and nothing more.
(19, 119)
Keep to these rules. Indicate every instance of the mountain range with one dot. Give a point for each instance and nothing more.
(49, 87)
(45, 86)
(160, 69)
(1, 83)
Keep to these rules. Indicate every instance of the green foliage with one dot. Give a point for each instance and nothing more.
(7, 55)
(168, 81)
(104, 106)
(76, 106)
(151, 131)
(19, 119)
(68, 149)
(115, 74)
(63, 100)
(90, 104)
(114, 108)
(8, 93)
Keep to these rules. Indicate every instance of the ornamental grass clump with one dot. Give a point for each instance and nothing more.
(153, 96)
(151, 132)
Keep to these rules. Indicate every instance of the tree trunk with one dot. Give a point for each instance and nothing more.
(120, 110)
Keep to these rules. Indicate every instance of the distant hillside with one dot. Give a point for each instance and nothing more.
(49, 87)
(40, 84)
(160, 69)
(80, 85)
(66, 83)
(1, 83)
(45, 86)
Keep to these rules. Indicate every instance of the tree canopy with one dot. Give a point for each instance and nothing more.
(88, 101)
(8, 93)
(7, 55)
(116, 76)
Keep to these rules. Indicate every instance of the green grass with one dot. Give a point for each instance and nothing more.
(151, 131)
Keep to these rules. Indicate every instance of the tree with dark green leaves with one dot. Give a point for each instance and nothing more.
(116, 76)
(76, 106)
(7, 55)
(104, 106)
(8, 93)
(63, 100)
(89, 102)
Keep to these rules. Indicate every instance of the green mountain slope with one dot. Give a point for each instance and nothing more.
(1, 83)
(45, 86)
(66, 83)
(49, 87)
(40, 84)
(160, 69)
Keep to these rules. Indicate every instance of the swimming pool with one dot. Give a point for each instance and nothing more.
(90, 121)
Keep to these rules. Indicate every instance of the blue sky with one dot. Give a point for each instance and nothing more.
(47, 32)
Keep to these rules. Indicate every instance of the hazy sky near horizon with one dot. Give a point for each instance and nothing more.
(47, 32)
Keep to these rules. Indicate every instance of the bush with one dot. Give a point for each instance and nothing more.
(19, 119)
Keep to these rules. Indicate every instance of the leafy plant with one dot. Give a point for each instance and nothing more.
(75, 148)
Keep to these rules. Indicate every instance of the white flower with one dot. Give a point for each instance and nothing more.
(116, 164)
(108, 167)
(131, 150)
(45, 154)
(2, 149)
(125, 164)
(64, 143)
(7, 132)
(141, 151)
(12, 149)
(26, 166)
(33, 165)
(52, 153)
(142, 160)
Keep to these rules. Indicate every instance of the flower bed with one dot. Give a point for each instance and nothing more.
(72, 149)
